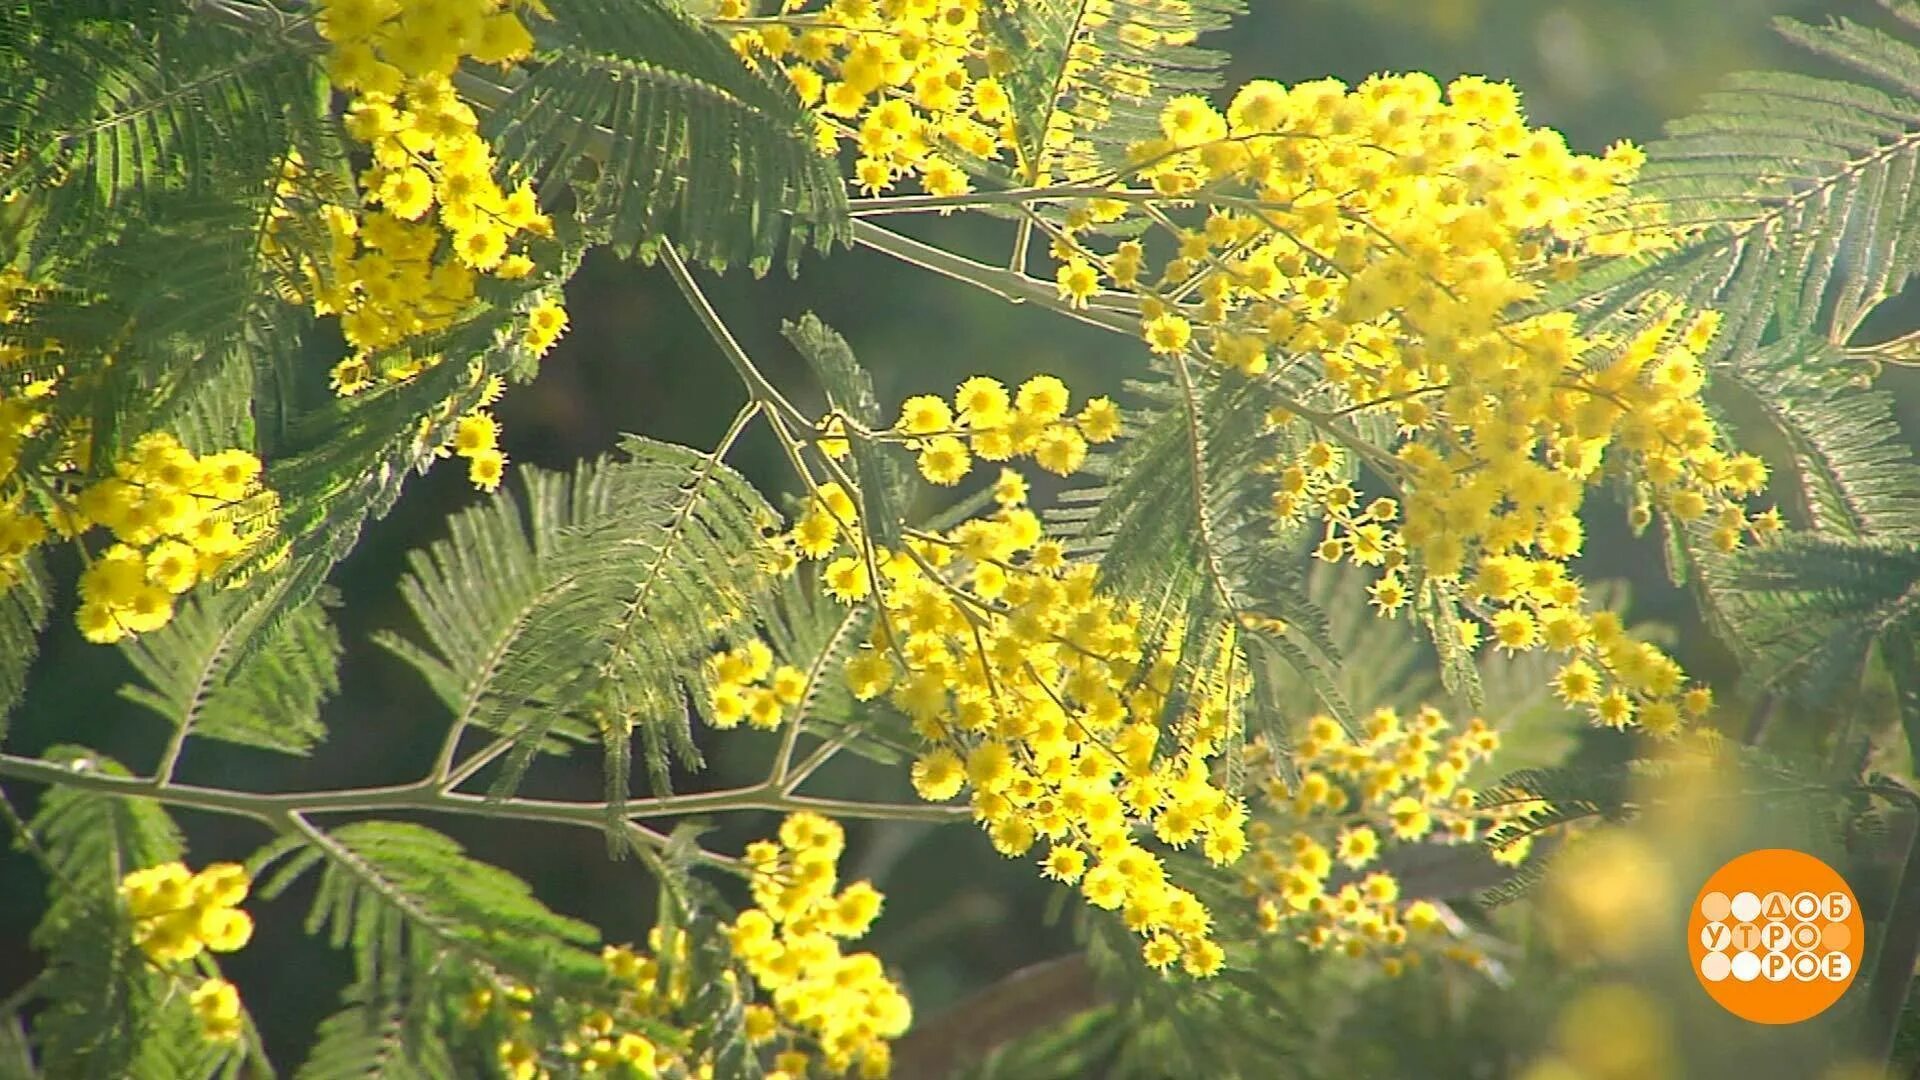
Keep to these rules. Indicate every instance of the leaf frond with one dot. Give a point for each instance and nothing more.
(225, 668)
(590, 605)
(667, 134)
(23, 614)
(105, 1011)
(1793, 196)
(1089, 76)
(404, 899)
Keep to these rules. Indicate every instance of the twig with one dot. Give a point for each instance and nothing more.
(272, 808)
(758, 387)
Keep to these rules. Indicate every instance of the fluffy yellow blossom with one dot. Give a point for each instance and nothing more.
(1382, 237)
(987, 421)
(176, 914)
(217, 1005)
(432, 216)
(908, 85)
(841, 1006)
(176, 518)
(744, 683)
(1318, 842)
(1031, 689)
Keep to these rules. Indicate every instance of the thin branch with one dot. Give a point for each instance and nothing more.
(1007, 285)
(465, 770)
(789, 739)
(974, 200)
(271, 808)
(819, 757)
(1022, 237)
(757, 385)
(10, 1005)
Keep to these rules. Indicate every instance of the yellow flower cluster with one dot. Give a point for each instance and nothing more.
(178, 519)
(518, 1054)
(907, 82)
(476, 437)
(1385, 234)
(841, 1005)
(1031, 689)
(177, 914)
(746, 685)
(602, 1042)
(409, 268)
(217, 1004)
(610, 1042)
(988, 422)
(24, 398)
(826, 1012)
(1316, 869)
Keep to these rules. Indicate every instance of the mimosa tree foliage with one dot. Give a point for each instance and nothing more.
(1280, 692)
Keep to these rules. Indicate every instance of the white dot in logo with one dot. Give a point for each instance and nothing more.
(1776, 966)
(1838, 906)
(1746, 907)
(1837, 965)
(1746, 965)
(1715, 966)
(1806, 966)
(1774, 936)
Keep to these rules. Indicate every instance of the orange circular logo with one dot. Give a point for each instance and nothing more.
(1775, 936)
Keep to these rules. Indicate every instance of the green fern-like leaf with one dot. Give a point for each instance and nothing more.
(403, 898)
(1392, 663)
(93, 840)
(105, 113)
(342, 461)
(1553, 797)
(1849, 470)
(1808, 611)
(483, 591)
(670, 135)
(377, 1035)
(718, 1002)
(106, 1012)
(1180, 517)
(1088, 77)
(23, 613)
(1257, 1016)
(201, 290)
(1810, 799)
(850, 392)
(595, 613)
(1797, 192)
(225, 668)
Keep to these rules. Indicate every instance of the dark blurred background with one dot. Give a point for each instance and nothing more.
(957, 915)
